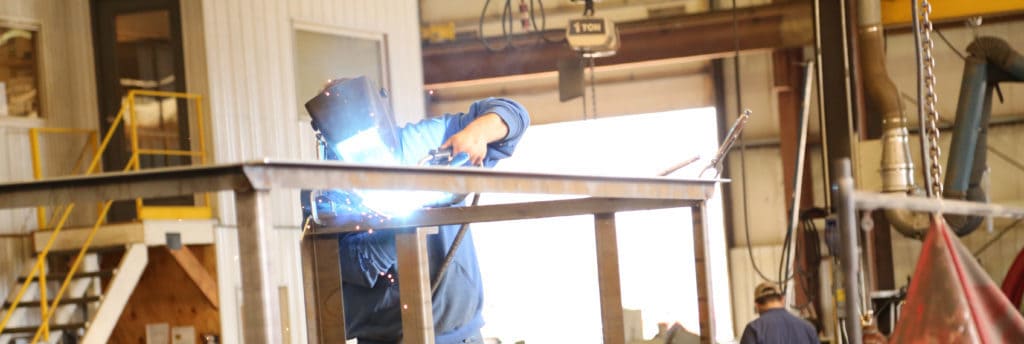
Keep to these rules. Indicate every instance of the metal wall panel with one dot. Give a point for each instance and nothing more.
(744, 279)
(249, 62)
(19, 9)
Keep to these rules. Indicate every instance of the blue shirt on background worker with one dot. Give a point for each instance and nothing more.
(776, 325)
(368, 259)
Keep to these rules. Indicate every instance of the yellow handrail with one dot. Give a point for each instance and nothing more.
(37, 170)
(134, 133)
(39, 270)
(35, 269)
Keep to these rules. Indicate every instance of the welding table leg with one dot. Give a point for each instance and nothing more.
(261, 321)
(705, 304)
(325, 304)
(414, 287)
(608, 278)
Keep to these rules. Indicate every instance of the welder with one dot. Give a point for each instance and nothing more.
(354, 124)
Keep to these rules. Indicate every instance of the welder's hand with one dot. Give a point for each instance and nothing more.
(473, 139)
(469, 142)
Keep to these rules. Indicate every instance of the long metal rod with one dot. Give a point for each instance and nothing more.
(849, 252)
(504, 212)
(798, 178)
(871, 200)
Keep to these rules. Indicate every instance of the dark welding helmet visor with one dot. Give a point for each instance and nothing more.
(355, 120)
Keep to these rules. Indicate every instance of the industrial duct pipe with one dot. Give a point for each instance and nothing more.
(990, 61)
(881, 96)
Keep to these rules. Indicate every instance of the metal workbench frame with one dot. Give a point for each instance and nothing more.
(252, 182)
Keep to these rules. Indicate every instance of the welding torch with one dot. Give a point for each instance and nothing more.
(730, 139)
(444, 157)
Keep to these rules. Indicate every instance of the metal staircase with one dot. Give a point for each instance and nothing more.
(89, 301)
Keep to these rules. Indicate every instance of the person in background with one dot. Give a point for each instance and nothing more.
(775, 325)
(355, 123)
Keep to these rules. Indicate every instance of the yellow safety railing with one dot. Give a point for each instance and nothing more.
(137, 152)
(92, 141)
(38, 272)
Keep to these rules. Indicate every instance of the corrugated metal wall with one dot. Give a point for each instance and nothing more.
(249, 58)
(67, 97)
(243, 50)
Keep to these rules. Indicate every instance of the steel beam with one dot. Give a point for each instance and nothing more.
(267, 174)
(702, 35)
(511, 211)
(324, 175)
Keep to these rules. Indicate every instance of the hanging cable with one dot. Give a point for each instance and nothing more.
(543, 23)
(593, 91)
(480, 31)
(784, 276)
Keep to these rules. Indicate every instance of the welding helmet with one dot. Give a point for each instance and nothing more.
(354, 119)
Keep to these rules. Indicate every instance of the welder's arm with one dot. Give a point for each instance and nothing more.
(501, 125)
(474, 138)
(365, 256)
(489, 131)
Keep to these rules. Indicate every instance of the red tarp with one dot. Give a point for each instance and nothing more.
(952, 300)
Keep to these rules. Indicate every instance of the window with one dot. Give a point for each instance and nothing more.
(323, 53)
(19, 72)
(552, 260)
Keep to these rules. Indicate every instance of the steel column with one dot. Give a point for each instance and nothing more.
(325, 304)
(705, 302)
(261, 309)
(414, 287)
(607, 246)
(834, 73)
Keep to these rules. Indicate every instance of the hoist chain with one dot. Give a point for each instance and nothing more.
(927, 46)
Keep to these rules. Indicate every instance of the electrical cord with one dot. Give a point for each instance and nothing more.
(543, 23)
(743, 153)
(451, 250)
(480, 31)
(508, 24)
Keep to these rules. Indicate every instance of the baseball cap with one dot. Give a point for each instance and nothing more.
(766, 289)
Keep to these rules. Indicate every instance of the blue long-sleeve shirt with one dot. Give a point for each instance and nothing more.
(368, 261)
(777, 326)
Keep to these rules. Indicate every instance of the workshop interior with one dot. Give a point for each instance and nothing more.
(181, 171)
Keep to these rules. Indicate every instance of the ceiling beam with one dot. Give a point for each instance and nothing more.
(708, 35)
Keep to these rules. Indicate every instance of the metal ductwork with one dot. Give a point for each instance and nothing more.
(990, 61)
(881, 96)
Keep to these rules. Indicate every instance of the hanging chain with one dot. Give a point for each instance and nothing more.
(933, 113)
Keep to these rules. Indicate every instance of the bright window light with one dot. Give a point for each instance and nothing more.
(540, 276)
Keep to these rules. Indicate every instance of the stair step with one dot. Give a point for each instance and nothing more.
(55, 327)
(73, 300)
(61, 277)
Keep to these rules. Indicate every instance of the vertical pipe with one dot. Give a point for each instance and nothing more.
(848, 236)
